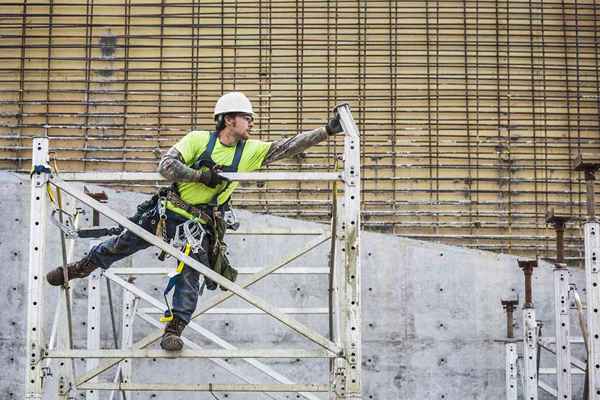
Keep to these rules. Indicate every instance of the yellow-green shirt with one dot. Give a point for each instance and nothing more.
(191, 147)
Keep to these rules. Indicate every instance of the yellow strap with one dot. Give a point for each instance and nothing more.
(50, 194)
(165, 319)
(49, 190)
(188, 249)
(169, 316)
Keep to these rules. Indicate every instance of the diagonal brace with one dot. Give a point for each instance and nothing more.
(211, 303)
(256, 301)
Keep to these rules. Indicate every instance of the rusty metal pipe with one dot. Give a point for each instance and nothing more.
(509, 306)
(527, 266)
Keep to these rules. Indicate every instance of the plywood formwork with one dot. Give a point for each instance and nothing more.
(471, 111)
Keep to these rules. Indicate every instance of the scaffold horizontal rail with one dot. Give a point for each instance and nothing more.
(204, 353)
(114, 177)
(203, 387)
(250, 311)
(241, 271)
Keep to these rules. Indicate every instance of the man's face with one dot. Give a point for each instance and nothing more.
(241, 125)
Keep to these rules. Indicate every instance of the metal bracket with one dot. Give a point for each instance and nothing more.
(339, 384)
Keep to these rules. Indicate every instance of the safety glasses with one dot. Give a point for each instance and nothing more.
(249, 118)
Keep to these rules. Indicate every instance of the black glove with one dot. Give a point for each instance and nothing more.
(211, 177)
(334, 126)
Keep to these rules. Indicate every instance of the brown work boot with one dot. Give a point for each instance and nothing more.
(77, 269)
(171, 340)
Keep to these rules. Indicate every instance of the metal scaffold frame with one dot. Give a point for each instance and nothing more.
(561, 345)
(344, 347)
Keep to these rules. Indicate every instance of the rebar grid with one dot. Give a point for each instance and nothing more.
(471, 111)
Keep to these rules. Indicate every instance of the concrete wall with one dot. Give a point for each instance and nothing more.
(431, 313)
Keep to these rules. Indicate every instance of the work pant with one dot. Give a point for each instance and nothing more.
(187, 286)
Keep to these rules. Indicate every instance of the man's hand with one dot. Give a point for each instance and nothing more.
(334, 126)
(211, 177)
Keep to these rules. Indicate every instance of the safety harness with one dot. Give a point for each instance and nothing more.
(213, 215)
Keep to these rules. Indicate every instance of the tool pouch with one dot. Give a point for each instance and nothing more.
(218, 255)
(143, 208)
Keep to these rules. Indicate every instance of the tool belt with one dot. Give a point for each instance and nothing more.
(204, 213)
(217, 225)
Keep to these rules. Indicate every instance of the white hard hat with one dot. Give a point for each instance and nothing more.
(234, 102)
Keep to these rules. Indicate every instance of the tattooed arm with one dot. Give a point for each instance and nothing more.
(289, 147)
(173, 168)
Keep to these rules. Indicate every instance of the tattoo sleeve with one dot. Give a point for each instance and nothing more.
(172, 167)
(289, 147)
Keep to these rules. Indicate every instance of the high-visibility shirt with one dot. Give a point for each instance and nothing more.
(191, 147)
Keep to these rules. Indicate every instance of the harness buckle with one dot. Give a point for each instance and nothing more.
(162, 207)
(231, 219)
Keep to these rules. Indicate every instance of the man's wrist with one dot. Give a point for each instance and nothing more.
(201, 177)
(327, 131)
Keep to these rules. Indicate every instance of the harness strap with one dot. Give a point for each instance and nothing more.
(195, 211)
(205, 159)
(239, 149)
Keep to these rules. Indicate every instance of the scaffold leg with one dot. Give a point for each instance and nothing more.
(129, 304)
(35, 344)
(347, 379)
(530, 348)
(592, 279)
(511, 371)
(562, 323)
(93, 325)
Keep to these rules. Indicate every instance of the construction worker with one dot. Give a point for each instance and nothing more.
(197, 201)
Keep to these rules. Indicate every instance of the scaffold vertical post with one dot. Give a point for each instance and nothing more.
(511, 371)
(591, 238)
(351, 341)
(530, 339)
(93, 325)
(561, 310)
(530, 354)
(592, 281)
(562, 322)
(127, 334)
(510, 350)
(66, 369)
(35, 345)
(338, 378)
